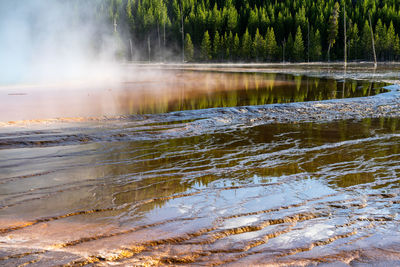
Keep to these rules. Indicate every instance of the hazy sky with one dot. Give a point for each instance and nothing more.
(43, 40)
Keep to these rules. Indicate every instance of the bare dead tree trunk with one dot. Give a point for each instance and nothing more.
(159, 37)
(308, 42)
(163, 52)
(345, 37)
(148, 46)
(373, 41)
(283, 48)
(329, 51)
(183, 34)
(344, 82)
(131, 47)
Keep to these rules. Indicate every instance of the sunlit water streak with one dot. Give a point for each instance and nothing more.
(300, 183)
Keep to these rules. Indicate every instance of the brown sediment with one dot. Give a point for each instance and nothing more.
(133, 250)
(28, 262)
(194, 255)
(292, 251)
(22, 255)
(358, 239)
(325, 241)
(48, 219)
(218, 235)
(376, 219)
(304, 249)
(137, 228)
(319, 243)
(384, 195)
(245, 229)
(184, 258)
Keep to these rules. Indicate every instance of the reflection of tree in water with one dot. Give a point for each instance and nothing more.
(200, 90)
(156, 170)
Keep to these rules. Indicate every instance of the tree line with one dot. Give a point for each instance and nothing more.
(254, 30)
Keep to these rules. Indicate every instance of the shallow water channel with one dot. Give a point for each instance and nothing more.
(204, 173)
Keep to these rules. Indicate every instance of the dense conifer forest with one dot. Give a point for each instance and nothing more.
(254, 30)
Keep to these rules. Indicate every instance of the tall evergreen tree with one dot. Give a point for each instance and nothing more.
(396, 48)
(189, 49)
(366, 42)
(231, 17)
(236, 47)
(206, 47)
(246, 45)
(217, 46)
(271, 45)
(354, 41)
(258, 46)
(315, 45)
(380, 39)
(391, 41)
(298, 46)
(228, 45)
(289, 48)
(253, 21)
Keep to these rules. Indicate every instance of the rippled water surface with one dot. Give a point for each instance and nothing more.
(210, 187)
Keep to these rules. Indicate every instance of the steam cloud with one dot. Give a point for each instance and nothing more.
(52, 40)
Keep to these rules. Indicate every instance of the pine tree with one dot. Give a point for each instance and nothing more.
(396, 48)
(236, 47)
(231, 18)
(289, 48)
(354, 41)
(229, 45)
(258, 46)
(298, 46)
(206, 47)
(315, 45)
(391, 41)
(253, 21)
(214, 19)
(246, 45)
(189, 49)
(217, 46)
(129, 5)
(380, 39)
(271, 45)
(366, 42)
(264, 21)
